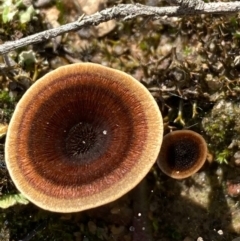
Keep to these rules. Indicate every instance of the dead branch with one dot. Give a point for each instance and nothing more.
(195, 4)
(126, 12)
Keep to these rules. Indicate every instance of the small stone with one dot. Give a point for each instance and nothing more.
(118, 50)
(117, 230)
(27, 3)
(233, 188)
(115, 210)
(220, 232)
(92, 227)
(212, 82)
(236, 158)
(237, 162)
(200, 239)
(132, 229)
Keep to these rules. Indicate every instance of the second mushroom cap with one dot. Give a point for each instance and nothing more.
(182, 153)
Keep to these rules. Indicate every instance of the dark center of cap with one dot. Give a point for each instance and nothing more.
(84, 139)
(183, 154)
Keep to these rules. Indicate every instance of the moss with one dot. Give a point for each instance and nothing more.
(60, 6)
(4, 97)
(222, 127)
(223, 156)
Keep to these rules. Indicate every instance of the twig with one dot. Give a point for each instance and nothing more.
(195, 4)
(124, 12)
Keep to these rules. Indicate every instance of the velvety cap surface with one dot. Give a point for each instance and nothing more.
(82, 136)
(182, 153)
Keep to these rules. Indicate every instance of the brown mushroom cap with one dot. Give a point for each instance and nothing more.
(182, 153)
(82, 136)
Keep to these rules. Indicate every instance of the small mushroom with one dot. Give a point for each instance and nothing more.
(182, 153)
(82, 136)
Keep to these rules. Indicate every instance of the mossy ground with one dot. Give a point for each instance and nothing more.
(191, 63)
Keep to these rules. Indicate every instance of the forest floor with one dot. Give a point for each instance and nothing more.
(188, 63)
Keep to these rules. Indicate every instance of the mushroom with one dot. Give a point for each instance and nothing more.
(82, 136)
(182, 154)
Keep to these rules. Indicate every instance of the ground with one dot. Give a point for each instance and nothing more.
(191, 67)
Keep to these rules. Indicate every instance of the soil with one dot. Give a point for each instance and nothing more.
(191, 67)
